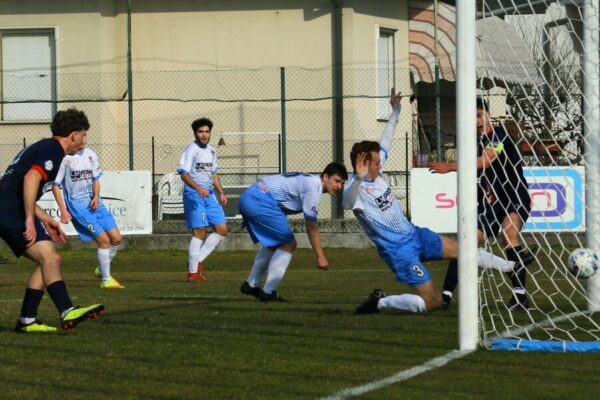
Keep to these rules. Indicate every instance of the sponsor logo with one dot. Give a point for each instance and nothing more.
(85, 174)
(48, 165)
(203, 167)
(385, 200)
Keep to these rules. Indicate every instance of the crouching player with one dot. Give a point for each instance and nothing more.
(402, 245)
(264, 206)
(78, 177)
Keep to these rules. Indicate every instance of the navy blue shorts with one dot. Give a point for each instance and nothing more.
(12, 226)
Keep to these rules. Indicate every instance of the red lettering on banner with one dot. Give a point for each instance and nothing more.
(443, 201)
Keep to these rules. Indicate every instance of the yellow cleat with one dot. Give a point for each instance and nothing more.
(111, 284)
(35, 327)
(78, 314)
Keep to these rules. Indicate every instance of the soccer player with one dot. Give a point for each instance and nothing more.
(504, 203)
(402, 245)
(198, 169)
(29, 230)
(264, 207)
(78, 177)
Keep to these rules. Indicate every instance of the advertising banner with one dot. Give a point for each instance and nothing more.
(557, 199)
(128, 197)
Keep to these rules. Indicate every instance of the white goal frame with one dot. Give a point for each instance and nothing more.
(466, 143)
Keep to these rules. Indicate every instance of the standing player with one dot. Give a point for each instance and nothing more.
(402, 245)
(198, 169)
(28, 229)
(264, 206)
(79, 176)
(504, 203)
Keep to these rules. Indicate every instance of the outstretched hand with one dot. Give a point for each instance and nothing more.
(395, 99)
(362, 165)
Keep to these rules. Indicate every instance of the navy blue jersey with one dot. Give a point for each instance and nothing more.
(44, 156)
(503, 181)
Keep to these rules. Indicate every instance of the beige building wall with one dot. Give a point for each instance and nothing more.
(190, 40)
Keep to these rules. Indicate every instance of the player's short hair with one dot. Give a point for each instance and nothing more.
(336, 168)
(67, 121)
(482, 104)
(366, 146)
(201, 122)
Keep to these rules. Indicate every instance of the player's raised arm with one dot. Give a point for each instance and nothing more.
(388, 132)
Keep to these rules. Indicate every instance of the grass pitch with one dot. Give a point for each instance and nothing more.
(164, 338)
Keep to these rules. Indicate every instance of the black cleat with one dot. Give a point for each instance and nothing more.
(270, 297)
(518, 302)
(446, 300)
(249, 290)
(369, 306)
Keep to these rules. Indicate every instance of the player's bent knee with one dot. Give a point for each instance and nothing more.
(51, 260)
(222, 231)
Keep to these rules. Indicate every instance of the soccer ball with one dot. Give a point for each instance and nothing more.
(583, 263)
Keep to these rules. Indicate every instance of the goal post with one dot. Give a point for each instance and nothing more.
(537, 65)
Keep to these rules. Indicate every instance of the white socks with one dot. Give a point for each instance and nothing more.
(404, 302)
(261, 263)
(104, 263)
(113, 251)
(487, 260)
(194, 254)
(199, 249)
(277, 267)
(209, 245)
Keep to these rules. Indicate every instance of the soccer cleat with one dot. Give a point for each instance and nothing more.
(194, 277)
(111, 284)
(97, 273)
(446, 300)
(3, 260)
(270, 297)
(35, 327)
(518, 302)
(369, 306)
(79, 314)
(249, 290)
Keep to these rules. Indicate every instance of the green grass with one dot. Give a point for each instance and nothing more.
(162, 338)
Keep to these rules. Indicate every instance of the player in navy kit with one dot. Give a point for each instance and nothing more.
(504, 202)
(264, 207)
(29, 230)
(402, 245)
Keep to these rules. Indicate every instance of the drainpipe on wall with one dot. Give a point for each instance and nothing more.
(129, 85)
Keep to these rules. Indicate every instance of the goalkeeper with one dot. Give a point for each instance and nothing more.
(504, 203)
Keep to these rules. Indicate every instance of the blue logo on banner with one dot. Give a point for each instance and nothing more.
(566, 212)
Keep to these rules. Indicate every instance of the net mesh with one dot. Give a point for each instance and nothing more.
(531, 72)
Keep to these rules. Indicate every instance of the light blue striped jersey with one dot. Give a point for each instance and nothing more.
(76, 175)
(200, 164)
(379, 213)
(296, 192)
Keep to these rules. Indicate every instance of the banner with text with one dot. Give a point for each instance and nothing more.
(128, 197)
(557, 199)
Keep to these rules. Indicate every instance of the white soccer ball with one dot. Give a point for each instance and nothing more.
(583, 263)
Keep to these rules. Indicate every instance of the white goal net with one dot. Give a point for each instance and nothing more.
(537, 68)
